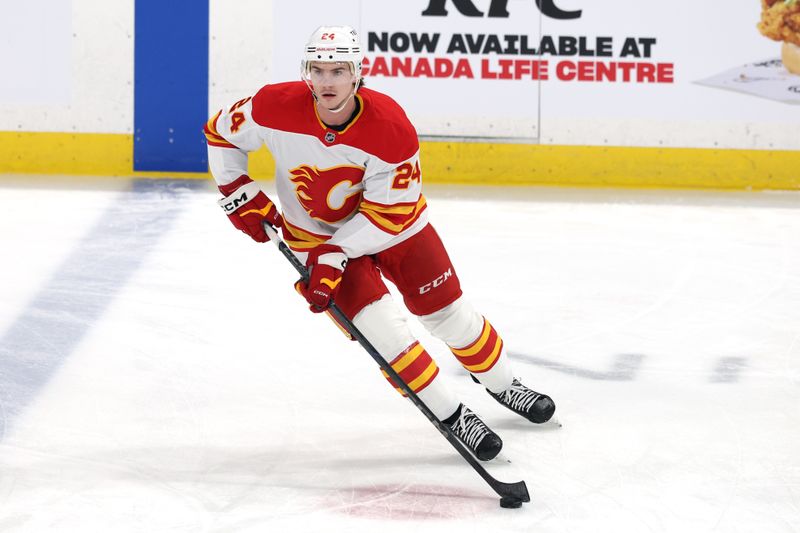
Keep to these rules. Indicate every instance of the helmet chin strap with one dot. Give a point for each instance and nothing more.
(346, 101)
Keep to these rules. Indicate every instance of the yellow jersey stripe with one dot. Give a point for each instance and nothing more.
(389, 210)
(302, 235)
(300, 245)
(381, 220)
(212, 123)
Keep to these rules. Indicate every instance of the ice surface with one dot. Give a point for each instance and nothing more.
(158, 372)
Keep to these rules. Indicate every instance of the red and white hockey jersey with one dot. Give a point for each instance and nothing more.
(359, 188)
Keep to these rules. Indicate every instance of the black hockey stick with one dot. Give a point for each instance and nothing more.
(512, 494)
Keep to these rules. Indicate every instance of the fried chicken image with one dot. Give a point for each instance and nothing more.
(780, 21)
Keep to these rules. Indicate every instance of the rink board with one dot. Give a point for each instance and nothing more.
(455, 162)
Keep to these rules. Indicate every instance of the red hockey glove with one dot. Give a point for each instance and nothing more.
(246, 206)
(326, 264)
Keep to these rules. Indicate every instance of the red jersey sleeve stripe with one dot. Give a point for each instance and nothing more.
(212, 135)
(301, 240)
(225, 144)
(393, 219)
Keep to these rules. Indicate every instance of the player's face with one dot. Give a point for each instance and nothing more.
(332, 82)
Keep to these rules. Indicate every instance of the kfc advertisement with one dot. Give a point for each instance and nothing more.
(678, 74)
(509, 57)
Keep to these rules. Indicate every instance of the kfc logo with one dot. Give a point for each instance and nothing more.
(497, 8)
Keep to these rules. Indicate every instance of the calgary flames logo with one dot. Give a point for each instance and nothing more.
(330, 194)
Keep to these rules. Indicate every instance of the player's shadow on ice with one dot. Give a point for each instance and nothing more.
(624, 367)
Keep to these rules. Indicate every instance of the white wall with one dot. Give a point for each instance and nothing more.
(67, 65)
(702, 39)
(240, 49)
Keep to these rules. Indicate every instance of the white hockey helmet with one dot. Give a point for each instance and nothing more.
(333, 44)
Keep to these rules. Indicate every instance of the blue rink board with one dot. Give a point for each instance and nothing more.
(170, 85)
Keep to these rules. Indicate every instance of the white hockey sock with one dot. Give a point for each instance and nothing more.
(385, 326)
(474, 342)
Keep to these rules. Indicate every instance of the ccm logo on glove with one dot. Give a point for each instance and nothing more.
(246, 206)
(233, 204)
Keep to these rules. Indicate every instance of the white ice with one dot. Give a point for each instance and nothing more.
(159, 373)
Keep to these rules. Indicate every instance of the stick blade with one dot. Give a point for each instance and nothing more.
(518, 490)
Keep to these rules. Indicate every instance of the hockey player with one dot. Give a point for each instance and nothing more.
(349, 181)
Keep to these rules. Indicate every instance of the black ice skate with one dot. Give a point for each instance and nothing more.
(479, 439)
(536, 407)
